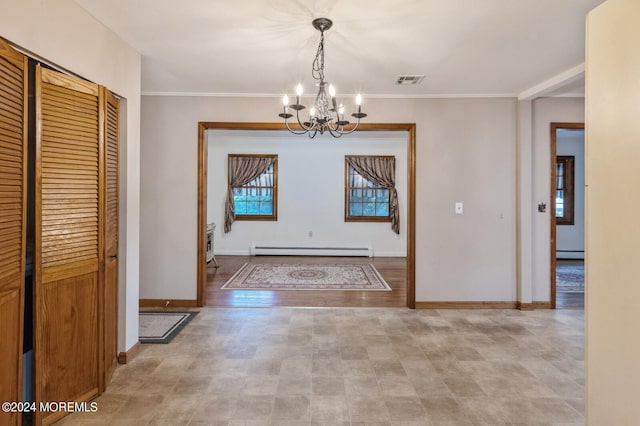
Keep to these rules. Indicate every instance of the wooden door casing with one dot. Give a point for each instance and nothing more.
(111, 229)
(13, 196)
(68, 242)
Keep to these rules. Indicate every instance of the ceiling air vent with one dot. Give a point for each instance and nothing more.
(409, 79)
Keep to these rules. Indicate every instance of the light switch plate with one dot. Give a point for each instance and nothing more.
(459, 208)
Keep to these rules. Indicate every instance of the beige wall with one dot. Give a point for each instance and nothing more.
(310, 191)
(64, 34)
(613, 200)
(465, 152)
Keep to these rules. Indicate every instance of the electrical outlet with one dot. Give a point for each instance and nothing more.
(459, 207)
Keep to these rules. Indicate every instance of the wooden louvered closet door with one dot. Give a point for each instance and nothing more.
(13, 171)
(68, 248)
(111, 152)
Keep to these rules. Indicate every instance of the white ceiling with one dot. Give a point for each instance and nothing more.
(264, 47)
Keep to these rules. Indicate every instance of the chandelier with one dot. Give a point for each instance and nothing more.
(325, 114)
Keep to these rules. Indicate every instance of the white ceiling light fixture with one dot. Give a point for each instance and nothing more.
(325, 114)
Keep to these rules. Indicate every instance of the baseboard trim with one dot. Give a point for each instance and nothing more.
(484, 305)
(168, 303)
(524, 306)
(124, 357)
(465, 305)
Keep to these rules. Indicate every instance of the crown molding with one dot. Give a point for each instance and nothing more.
(553, 83)
(364, 95)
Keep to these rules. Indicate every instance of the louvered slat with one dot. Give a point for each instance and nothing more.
(111, 147)
(111, 108)
(69, 153)
(11, 166)
(13, 67)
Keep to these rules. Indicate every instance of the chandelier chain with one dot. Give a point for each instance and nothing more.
(317, 70)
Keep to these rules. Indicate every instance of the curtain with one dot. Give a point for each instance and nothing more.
(381, 171)
(242, 170)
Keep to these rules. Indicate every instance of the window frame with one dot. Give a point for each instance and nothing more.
(257, 217)
(568, 188)
(347, 192)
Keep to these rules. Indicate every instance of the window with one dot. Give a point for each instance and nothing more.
(365, 201)
(257, 199)
(564, 190)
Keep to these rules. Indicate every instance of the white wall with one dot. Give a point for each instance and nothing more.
(310, 191)
(465, 152)
(613, 201)
(570, 238)
(64, 34)
(545, 112)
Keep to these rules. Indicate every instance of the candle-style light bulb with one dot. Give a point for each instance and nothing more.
(358, 99)
(332, 94)
(285, 100)
(312, 111)
(298, 93)
(341, 109)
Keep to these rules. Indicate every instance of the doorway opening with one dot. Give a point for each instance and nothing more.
(567, 215)
(408, 263)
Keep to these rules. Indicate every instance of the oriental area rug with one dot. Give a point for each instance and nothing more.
(162, 327)
(275, 276)
(570, 278)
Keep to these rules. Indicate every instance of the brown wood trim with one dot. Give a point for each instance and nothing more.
(541, 305)
(83, 86)
(347, 188)
(347, 218)
(102, 181)
(524, 306)
(552, 204)
(38, 365)
(168, 303)
(9, 53)
(466, 305)
(274, 188)
(202, 194)
(411, 219)
(201, 260)
(232, 125)
(568, 161)
(128, 356)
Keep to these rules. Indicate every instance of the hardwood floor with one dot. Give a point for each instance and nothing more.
(569, 300)
(392, 269)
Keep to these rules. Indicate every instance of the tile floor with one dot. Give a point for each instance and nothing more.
(393, 366)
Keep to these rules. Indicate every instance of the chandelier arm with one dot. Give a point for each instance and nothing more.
(301, 124)
(336, 133)
(352, 130)
(286, 123)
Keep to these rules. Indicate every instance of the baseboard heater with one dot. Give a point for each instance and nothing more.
(269, 250)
